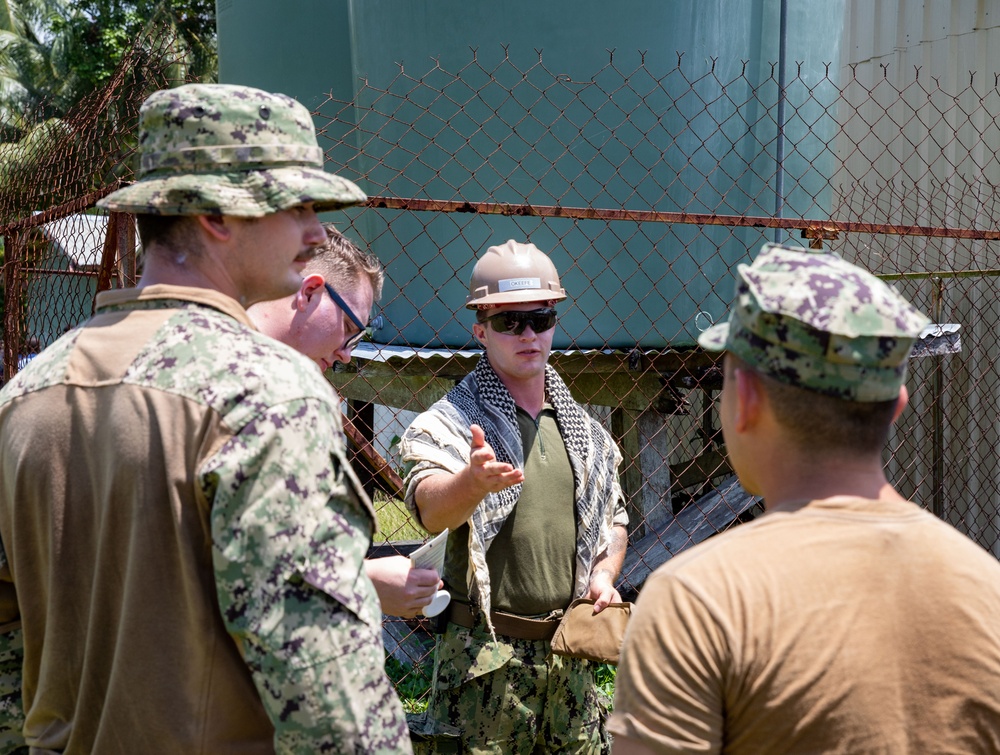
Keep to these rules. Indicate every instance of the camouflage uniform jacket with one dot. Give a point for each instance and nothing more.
(439, 440)
(187, 541)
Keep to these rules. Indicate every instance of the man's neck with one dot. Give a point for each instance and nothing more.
(270, 317)
(529, 394)
(175, 268)
(851, 478)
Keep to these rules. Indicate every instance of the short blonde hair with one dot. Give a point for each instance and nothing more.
(342, 264)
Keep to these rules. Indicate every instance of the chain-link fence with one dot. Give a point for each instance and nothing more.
(57, 252)
(647, 187)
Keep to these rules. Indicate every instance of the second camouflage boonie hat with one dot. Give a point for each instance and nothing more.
(208, 149)
(813, 320)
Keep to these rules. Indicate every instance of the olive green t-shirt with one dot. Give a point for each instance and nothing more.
(532, 558)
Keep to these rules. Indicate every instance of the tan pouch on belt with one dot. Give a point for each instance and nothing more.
(582, 634)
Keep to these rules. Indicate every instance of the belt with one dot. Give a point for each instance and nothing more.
(506, 624)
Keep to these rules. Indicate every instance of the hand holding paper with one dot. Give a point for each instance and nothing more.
(430, 555)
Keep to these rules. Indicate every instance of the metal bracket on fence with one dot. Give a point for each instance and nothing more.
(937, 340)
(818, 234)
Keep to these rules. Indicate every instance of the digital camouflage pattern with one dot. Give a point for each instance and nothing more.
(228, 150)
(813, 320)
(290, 523)
(11, 708)
(532, 693)
(520, 679)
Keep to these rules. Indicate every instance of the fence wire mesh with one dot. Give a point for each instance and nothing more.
(647, 185)
(54, 165)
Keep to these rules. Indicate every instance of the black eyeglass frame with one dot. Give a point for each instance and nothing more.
(355, 339)
(515, 321)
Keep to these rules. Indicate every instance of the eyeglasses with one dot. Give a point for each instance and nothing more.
(355, 339)
(515, 322)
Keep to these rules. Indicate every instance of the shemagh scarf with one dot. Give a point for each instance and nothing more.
(440, 439)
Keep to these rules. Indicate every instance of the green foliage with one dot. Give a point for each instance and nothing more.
(37, 80)
(604, 678)
(412, 683)
(54, 53)
(72, 75)
(103, 30)
(22, 162)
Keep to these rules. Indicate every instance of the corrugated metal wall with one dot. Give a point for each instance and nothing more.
(918, 146)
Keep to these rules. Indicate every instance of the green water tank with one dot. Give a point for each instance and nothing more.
(635, 105)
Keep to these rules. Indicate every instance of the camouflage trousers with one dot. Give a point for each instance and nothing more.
(11, 709)
(515, 697)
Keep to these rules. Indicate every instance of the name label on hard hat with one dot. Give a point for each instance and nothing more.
(514, 284)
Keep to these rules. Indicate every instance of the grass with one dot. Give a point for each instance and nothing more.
(394, 522)
(604, 677)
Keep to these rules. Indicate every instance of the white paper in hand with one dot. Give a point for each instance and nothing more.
(430, 555)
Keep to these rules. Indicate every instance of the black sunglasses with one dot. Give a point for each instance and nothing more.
(515, 322)
(355, 339)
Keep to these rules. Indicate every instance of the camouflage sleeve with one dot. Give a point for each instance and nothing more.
(290, 529)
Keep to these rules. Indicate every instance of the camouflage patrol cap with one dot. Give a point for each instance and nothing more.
(217, 149)
(813, 320)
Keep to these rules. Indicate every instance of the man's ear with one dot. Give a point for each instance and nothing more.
(749, 399)
(479, 332)
(312, 285)
(216, 226)
(901, 401)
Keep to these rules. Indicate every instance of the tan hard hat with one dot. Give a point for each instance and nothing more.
(513, 273)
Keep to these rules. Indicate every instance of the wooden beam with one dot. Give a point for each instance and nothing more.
(708, 465)
(625, 429)
(414, 393)
(362, 415)
(380, 466)
(699, 520)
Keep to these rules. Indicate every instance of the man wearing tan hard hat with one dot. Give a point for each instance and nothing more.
(527, 482)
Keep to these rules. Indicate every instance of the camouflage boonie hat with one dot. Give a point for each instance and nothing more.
(812, 320)
(217, 149)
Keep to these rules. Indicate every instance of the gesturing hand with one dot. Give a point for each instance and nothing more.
(486, 473)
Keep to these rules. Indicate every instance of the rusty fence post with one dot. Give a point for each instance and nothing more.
(13, 303)
(937, 408)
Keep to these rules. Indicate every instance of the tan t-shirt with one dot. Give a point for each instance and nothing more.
(847, 626)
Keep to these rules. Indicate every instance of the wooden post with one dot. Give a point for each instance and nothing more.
(362, 415)
(625, 429)
(655, 442)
